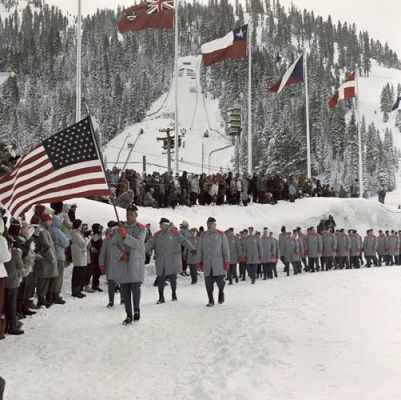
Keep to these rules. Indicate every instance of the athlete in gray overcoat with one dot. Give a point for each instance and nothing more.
(213, 256)
(166, 244)
(127, 261)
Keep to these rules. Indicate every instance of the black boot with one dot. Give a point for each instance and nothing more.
(127, 321)
(161, 297)
(211, 301)
(174, 296)
(57, 299)
(137, 315)
(221, 297)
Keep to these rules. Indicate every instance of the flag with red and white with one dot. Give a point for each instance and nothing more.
(294, 74)
(346, 91)
(64, 166)
(155, 14)
(232, 45)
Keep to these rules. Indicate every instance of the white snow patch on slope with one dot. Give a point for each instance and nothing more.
(197, 113)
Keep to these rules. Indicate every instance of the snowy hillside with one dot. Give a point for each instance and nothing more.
(3, 77)
(197, 112)
(370, 89)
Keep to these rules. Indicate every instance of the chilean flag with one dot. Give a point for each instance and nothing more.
(233, 45)
(346, 91)
(294, 74)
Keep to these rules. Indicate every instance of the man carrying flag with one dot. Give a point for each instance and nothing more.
(294, 74)
(232, 45)
(346, 91)
(156, 14)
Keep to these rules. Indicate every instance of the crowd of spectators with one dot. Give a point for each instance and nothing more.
(161, 190)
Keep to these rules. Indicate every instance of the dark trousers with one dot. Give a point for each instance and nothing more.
(96, 276)
(111, 290)
(242, 269)
(297, 267)
(354, 261)
(77, 279)
(209, 283)
(232, 273)
(287, 267)
(43, 286)
(30, 285)
(56, 283)
(251, 268)
(126, 290)
(267, 270)
(343, 261)
(20, 295)
(11, 308)
(312, 263)
(370, 259)
(327, 263)
(161, 281)
(259, 270)
(193, 272)
(184, 265)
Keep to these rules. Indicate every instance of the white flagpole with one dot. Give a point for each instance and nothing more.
(250, 166)
(356, 108)
(78, 77)
(176, 86)
(308, 150)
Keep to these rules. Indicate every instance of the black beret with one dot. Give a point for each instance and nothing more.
(164, 221)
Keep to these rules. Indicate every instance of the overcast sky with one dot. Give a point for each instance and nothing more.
(381, 18)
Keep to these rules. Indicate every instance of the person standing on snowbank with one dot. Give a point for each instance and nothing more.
(127, 261)
(213, 256)
(167, 244)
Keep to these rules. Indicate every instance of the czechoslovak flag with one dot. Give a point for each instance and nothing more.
(346, 91)
(294, 74)
(233, 45)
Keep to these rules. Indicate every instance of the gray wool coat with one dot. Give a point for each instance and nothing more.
(271, 251)
(15, 269)
(253, 250)
(212, 252)
(313, 245)
(47, 266)
(382, 245)
(105, 259)
(329, 243)
(189, 257)
(235, 248)
(167, 246)
(355, 245)
(343, 245)
(393, 245)
(133, 270)
(370, 245)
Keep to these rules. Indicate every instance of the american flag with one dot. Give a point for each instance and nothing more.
(62, 167)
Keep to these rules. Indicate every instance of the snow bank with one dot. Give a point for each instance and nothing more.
(348, 213)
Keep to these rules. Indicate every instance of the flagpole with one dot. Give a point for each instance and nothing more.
(78, 77)
(99, 154)
(308, 150)
(176, 86)
(250, 166)
(356, 108)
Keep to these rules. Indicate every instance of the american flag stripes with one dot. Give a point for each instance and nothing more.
(62, 167)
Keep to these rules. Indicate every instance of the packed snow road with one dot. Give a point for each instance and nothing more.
(328, 335)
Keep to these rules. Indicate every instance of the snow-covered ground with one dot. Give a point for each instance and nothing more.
(197, 113)
(332, 335)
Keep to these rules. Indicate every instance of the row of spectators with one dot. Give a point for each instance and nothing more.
(169, 190)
